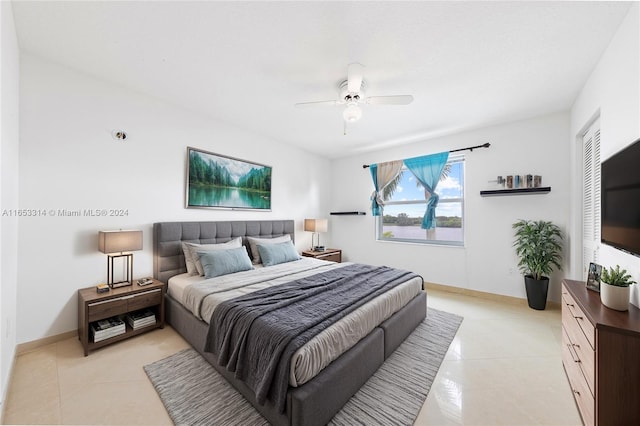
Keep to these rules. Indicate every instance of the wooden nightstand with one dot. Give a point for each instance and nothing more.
(332, 255)
(117, 302)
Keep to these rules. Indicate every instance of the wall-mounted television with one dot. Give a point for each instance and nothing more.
(222, 182)
(620, 200)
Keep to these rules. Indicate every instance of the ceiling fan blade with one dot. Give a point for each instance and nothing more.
(389, 100)
(318, 103)
(355, 72)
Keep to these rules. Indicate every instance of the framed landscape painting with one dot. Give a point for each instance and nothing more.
(221, 182)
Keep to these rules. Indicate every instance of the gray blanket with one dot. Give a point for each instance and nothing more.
(256, 335)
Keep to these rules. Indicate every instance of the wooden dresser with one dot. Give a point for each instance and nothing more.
(601, 356)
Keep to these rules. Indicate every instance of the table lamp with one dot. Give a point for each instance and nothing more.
(316, 226)
(119, 244)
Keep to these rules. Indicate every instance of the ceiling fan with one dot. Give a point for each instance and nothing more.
(351, 93)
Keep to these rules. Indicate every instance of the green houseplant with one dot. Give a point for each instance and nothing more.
(539, 250)
(614, 288)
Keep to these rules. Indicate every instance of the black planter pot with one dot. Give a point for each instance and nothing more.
(536, 292)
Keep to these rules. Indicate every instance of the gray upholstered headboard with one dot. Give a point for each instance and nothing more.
(168, 258)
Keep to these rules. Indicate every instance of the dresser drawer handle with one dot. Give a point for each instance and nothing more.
(576, 392)
(571, 352)
(579, 318)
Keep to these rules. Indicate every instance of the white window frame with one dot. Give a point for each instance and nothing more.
(380, 219)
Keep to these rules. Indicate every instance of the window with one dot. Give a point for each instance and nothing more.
(405, 205)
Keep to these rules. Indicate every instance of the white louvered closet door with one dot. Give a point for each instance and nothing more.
(590, 196)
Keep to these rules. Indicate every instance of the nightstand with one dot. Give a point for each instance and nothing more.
(117, 302)
(332, 255)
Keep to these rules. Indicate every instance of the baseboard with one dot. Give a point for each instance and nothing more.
(484, 295)
(35, 344)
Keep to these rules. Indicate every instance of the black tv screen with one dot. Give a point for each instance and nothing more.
(620, 200)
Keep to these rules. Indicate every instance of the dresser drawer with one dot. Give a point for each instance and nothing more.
(143, 300)
(586, 326)
(577, 382)
(106, 309)
(580, 346)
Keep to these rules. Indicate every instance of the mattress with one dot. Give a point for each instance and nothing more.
(319, 352)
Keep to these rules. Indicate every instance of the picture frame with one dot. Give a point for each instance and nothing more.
(218, 181)
(593, 277)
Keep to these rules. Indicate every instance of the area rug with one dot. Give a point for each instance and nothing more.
(195, 394)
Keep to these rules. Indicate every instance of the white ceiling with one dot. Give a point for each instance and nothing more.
(467, 64)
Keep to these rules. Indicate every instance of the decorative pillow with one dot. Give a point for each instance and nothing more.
(223, 262)
(253, 244)
(273, 254)
(188, 260)
(195, 257)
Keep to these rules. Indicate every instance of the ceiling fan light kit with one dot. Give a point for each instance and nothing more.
(352, 112)
(351, 94)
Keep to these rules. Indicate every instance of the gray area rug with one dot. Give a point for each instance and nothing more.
(195, 394)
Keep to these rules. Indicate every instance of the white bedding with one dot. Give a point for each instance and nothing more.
(319, 352)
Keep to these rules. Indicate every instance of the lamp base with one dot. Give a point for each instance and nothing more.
(120, 284)
(318, 248)
(128, 276)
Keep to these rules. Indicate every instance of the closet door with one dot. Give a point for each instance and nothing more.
(590, 196)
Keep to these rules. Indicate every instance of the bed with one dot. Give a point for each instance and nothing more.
(316, 399)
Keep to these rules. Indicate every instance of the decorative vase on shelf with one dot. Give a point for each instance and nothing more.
(614, 297)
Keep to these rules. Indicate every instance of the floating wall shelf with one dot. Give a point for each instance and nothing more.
(516, 191)
(348, 213)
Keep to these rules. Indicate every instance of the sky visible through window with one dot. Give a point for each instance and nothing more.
(409, 190)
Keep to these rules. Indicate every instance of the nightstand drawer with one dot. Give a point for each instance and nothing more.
(106, 309)
(331, 257)
(143, 300)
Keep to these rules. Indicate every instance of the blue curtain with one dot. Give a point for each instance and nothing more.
(375, 207)
(427, 170)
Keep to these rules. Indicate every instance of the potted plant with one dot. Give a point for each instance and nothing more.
(538, 247)
(614, 289)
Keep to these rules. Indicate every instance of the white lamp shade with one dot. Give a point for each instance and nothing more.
(119, 241)
(316, 225)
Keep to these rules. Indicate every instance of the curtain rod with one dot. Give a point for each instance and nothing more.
(470, 148)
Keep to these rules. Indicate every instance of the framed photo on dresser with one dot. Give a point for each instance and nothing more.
(593, 277)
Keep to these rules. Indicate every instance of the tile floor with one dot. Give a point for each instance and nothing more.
(503, 367)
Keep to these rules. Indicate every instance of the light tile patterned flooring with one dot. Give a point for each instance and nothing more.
(503, 367)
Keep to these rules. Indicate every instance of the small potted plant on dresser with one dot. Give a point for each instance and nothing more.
(538, 246)
(614, 288)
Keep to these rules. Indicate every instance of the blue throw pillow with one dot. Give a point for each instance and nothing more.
(273, 254)
(223, 262)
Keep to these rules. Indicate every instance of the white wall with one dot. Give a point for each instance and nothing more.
(9, 82)
(68, 160)
(487, 262)
(613, 93)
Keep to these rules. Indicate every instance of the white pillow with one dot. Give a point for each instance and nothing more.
(194, 257)
(253, 244)
(191, 266)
